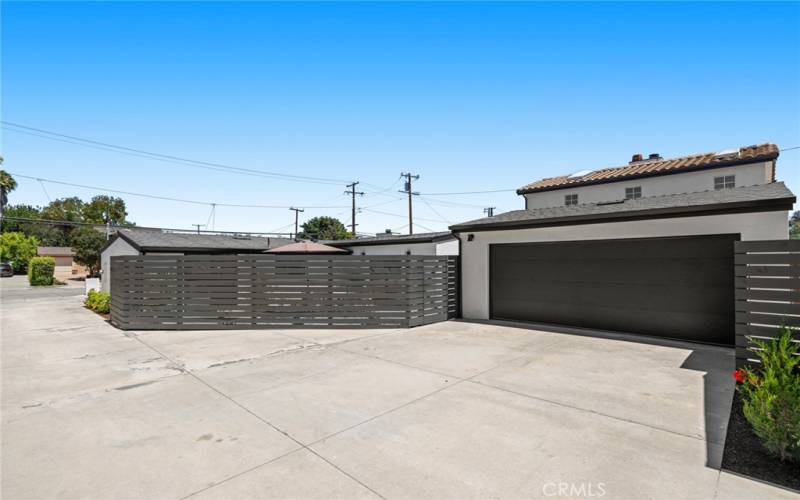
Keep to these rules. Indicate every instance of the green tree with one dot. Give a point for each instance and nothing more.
(21, 211)
(105, 209)
(87, 243)
(17, 248)
(324, 228)
(46, 234)
(64, 209)
(7, 184)
(794, 226)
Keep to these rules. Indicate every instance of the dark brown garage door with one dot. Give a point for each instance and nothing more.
(669, 287)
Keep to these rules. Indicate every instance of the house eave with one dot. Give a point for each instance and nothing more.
(389, 241)
(772, 205)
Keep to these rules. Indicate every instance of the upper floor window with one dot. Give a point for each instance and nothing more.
(571, 199)
(632, 193)
(725, 182)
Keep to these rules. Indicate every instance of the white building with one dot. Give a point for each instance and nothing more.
(644, 248)
(441, 243)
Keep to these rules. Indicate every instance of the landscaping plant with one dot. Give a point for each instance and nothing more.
(40, 271)
(17, 248)
(771, 395)
(99, 302)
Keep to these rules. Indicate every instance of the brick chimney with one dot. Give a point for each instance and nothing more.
(636, 158)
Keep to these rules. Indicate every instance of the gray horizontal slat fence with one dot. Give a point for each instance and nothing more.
(203, 292)
(767, 292)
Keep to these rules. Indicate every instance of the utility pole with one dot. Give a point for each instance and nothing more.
(411, 193)
(351, 189)
(296, 218)
(198, 226)
(489, 211)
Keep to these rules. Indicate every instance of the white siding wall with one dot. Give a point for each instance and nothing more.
(475, 254)
(690, 182)
(119, 247)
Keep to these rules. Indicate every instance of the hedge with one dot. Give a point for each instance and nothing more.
(40, 271)
(99, 302)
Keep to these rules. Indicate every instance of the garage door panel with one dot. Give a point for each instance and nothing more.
(699, 299)
(695, 272)
(618, 319)
(671, 287)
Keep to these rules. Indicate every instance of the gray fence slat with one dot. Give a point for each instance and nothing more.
(770, 265)
(766, 246)
(268, 291)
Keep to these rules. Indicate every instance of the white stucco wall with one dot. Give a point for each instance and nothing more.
(119, 247)
(399, 249)
(449, 247)
(689, 182)
(475, 254)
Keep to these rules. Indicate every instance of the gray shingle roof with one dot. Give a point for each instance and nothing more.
(391, 239)
(149, 240)
(775, 193)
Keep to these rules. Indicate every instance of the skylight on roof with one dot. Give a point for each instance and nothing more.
(579, 174)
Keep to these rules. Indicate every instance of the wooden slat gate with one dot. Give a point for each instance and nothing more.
(200, 292)
(767, 292)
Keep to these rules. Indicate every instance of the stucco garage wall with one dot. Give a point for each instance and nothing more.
(399, 249)
(119, 247)
(689, 182)
(447, 247)
(475, 254)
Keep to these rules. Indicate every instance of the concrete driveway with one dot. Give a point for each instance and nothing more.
(452, 410)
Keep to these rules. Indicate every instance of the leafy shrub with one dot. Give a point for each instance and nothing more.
(771, 395)
(18, 249)
(99, 302)
(40, 271)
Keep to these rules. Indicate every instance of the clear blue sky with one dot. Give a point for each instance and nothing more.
(469, 96)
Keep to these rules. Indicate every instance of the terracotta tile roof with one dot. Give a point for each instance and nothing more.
(647, 168)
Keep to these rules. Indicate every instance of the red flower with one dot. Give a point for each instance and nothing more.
(739, 376)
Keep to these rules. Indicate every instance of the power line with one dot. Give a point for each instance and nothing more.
(452, 203)
(165, 198)
(398, 215)
(183, 160)
(444, 219)
(64, 222)
(469, 192)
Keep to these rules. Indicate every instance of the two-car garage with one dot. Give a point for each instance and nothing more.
(670, 287)
(661, 266)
